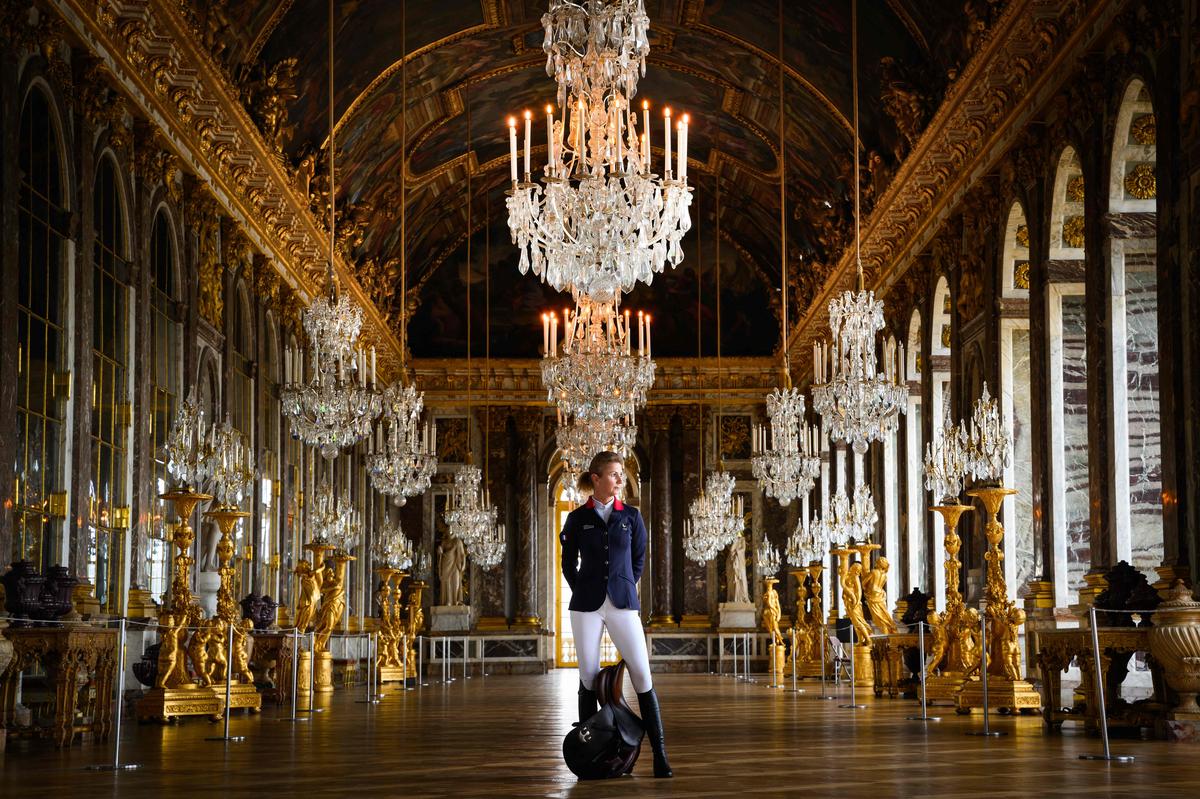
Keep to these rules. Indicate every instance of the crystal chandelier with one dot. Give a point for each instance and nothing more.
(472, 518)
(767, 559)
(786, 460)
(946, 461)
(847, 520)
(335, 522)
(578, 442)
(806, 543)
(715, 518)
(403, 453)
(603, 220)
(186, 445)
(988, 449)
(858, 402)
(326, 395)
(593, 374)
(229, 465)
(393, 549)
(487, 551)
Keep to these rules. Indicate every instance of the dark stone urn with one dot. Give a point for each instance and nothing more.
(22, 590)
(260, 610)
(146, 669)
(55, 598)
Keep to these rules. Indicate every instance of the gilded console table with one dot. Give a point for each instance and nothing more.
(65, 653)
(887, 660)
(1058, 648)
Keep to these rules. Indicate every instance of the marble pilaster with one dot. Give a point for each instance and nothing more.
(525, 427)
(660, 522)
(695, 600)
(1144, 423)
(1074, 444)
(10, 114)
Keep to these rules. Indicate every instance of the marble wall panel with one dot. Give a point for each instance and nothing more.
(1026, 550)
(1144, 423)
(1075, 438)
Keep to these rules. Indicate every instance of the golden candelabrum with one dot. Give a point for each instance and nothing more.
(955, 630)
(850, 579)
(178, 691)
(414, 623)
(331, 580)
(1006, 689)
(393, 637)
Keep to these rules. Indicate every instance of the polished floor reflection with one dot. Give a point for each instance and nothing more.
(500, 736)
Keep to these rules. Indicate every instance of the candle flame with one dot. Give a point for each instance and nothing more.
(512, 122)
(528, 114)
(549, 108)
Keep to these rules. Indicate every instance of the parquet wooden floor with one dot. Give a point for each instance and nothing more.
(501, 737)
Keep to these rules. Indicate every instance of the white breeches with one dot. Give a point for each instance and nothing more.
(625, 629)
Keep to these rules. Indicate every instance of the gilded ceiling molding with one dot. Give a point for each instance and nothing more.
(264, 35)
(519, 381)
(914, 30)
(1030, 50)
(155, 55)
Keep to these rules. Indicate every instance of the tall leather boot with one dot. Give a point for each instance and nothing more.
(588, 705)
(652, 719)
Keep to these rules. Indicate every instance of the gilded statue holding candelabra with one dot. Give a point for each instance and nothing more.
(771, 615)
(308, 594)
(850, 579)
(874, 583)
(393, 638)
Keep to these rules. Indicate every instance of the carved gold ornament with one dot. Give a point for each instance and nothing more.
(1140, 183)
(1022, 235)
(1144, 130)
(1075, 189)
(920, 364)
(946, 336)
(946, 303)
(1021, 275)
(1072, 234)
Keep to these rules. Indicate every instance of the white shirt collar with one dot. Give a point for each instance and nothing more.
(604, 509)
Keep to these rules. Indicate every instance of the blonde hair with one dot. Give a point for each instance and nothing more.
(599, 461)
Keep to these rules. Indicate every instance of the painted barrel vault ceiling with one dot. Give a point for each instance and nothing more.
(471, 63)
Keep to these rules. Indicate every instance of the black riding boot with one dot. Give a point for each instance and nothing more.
(652, 719)
(588, 706)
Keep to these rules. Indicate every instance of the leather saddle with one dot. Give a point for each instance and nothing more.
(608, 744)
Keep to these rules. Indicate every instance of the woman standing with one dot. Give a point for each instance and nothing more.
(603, 552)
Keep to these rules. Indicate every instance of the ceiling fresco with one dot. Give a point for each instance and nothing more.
(471, 63)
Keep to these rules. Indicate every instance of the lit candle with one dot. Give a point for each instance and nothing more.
(648, 347)
(528, 139)
(374, 378)
(641, 334)
(667, 135)
(553, 334)
(646, 135)
(681, 170)
(550, 140)
(545, 334)
(512, 148)
(627, 336)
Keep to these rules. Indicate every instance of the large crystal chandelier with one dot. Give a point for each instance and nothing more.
(946, 461)
(858, 402)
(989, 450)
(715, 518)
(326, 393)
(393, 549)
(578, 442)
(603, 219)
(767, 560)
(847, 519)
(470, 515)
(403, 450)
(186, 446)
(806, 543)
(786, 459)
(593, 374)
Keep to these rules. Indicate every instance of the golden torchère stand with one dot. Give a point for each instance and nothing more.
(954, 631)
(242, 693)
(1006, 689)
(178, 691)
(393, 638)
(329, 614)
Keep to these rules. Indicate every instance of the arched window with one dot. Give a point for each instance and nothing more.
(111, 407)
(268, 540)
(43, 385)
(939, 374)
(1136, 411)
(1070, 510)
(1023, 560)
(166, 356)
(241, 389)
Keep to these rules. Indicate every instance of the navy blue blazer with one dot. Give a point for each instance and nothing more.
(600, 559)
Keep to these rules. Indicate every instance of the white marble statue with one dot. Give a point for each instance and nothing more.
(735, 572)
(452, 560)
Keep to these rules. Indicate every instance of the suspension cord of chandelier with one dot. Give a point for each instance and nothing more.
(467, 98)
(699, 339)
(403, 192)
(487, 333)
(332, 285)
(783, 342)
(854, 84)
(720, 376)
